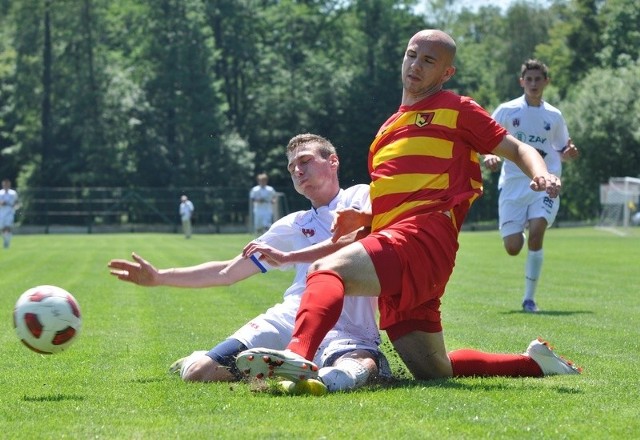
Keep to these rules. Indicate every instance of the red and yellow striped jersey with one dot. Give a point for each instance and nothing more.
(425, 158)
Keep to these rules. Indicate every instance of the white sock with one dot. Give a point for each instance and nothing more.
(348, 374)
(532, 270)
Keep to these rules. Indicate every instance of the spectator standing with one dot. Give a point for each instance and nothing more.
(263, 199)
(186, 214)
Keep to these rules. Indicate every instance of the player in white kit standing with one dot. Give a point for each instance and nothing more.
(8, 206)
(539, 124)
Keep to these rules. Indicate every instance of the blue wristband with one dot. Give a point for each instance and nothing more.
(258, 263)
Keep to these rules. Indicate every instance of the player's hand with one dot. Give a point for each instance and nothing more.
(270, 255)
(549, 183)
(140, 272)
(570, 151)
(347, 221)
(492, 162)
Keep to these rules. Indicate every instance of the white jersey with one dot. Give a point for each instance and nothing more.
(8, 202)
(262, 197)
(357, 327)
(186, 210)
(542, 127)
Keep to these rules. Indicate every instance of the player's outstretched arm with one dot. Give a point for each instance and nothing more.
(276, 258)
(210, 274)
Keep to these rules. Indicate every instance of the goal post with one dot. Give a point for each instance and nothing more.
(620, 199)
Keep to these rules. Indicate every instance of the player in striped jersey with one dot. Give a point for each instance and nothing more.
(425, 174)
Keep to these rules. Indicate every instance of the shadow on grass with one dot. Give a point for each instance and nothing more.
(468, 384)
(550, 312)
(143, 380)
(54, 398)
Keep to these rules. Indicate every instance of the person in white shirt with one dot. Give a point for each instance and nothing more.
(186, 214)
(537, 123)
(263, 199)
(8, 205)
(349, 355)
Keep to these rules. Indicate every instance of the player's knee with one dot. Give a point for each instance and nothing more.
(512, 250)
(321, 264)
(513, 244)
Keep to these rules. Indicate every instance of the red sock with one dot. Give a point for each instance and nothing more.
(477, 363)
(320, 308)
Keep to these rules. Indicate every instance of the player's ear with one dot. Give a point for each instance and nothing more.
(449, 72)
(334, 161)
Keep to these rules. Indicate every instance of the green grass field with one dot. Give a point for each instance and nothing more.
(113, 382)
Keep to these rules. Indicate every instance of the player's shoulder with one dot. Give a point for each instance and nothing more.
(551, 109)
(515, 103)
(357, 189)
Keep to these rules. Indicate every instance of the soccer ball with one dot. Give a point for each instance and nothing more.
(47, 319)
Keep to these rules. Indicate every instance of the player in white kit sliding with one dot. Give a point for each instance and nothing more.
(349, 355)
(537, 123)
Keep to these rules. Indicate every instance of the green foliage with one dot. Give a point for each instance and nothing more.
(184, 93)
(113, 382)
(607, 133)
(621, 36)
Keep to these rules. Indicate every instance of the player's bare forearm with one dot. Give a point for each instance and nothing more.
(531, 163)
(210, 274)
(349, 220)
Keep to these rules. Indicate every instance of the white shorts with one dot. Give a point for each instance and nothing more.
(274, 328)
(7, 218)
(518, 204)
(262, 218)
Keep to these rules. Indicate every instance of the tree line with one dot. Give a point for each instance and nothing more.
(206, 93)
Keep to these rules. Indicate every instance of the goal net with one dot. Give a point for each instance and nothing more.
(620, 202)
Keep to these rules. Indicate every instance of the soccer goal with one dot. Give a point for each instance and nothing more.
(620, 201)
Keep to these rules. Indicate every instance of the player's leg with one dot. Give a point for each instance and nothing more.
(542, 213)
(348, 270)
(538, 360)
(533, 264)
(6, 236)
(424, 354)
(271, 329)
(512, 217)
(217, 365)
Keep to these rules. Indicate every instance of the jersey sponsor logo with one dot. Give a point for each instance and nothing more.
(542, 152)
(423, 119)
(533, 139)
(308, 232)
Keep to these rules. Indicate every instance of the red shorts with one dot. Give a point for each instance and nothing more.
(414, 259)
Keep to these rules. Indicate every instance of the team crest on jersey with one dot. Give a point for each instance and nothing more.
(546, 125)
(423, 119)
(516, 122)
(308, 232)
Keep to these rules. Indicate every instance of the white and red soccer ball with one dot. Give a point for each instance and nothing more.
(47, 319)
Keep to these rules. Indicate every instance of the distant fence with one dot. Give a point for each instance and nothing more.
(49, 210)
